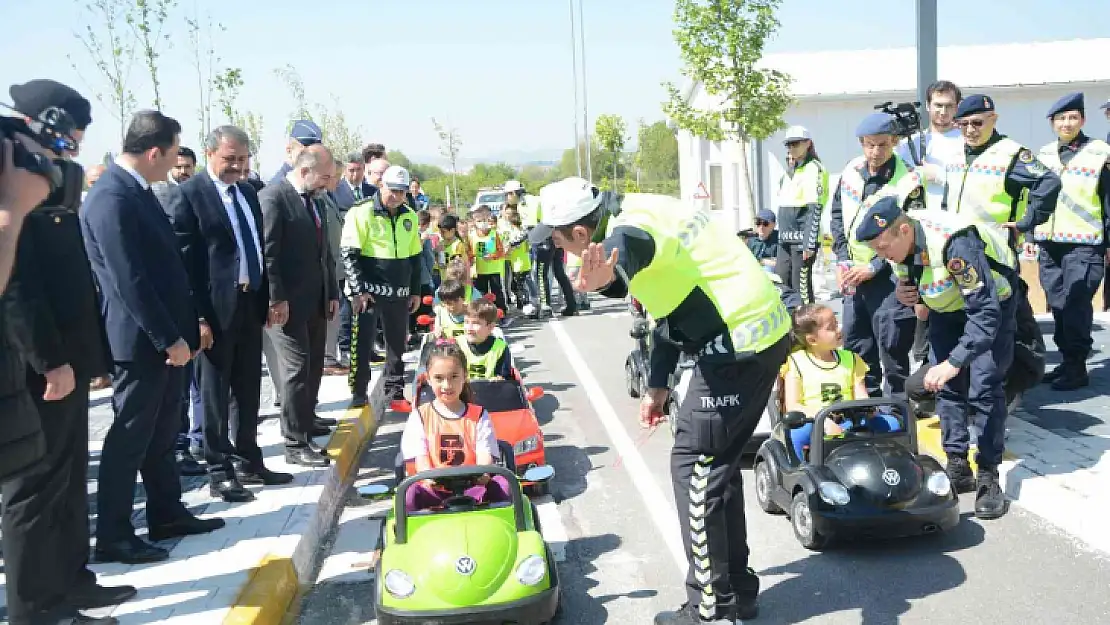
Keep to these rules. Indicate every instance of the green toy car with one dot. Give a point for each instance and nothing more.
(464, 562)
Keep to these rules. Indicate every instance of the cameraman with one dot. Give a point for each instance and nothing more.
(20, 191)
(45, 516)
(943, 144)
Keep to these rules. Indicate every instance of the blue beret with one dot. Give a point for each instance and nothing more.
(972, 104)
(306, 131)
(765, 214)
(876, 124)
(878, 218)
(1070, 102)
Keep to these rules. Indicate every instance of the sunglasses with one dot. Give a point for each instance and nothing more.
(974, 123)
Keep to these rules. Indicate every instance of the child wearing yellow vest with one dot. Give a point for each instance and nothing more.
(487, 355)
(523, 286)
(488, 251)
(819, 373)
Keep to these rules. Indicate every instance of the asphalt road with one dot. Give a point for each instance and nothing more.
(618, 515)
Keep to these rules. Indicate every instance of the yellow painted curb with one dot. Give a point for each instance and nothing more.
(929, 441)
(272, 586)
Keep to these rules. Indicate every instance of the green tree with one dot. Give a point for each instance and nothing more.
(656, 158)
(397, 157)
(721, 42)
(147, 20)
(338, 135)
(609, 129)
(112, 52)
(293, 82)
(202, 42)
(228, 84)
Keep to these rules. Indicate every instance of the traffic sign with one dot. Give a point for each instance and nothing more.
(702, 193)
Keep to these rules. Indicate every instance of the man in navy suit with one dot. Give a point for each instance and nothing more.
(354, 187)
(152, 328)
(217, 219)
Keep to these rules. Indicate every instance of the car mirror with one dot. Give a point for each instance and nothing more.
(428, 301)
(374, 491)
(424, 320)
(535, 393)
(400, 405)
(539, 474)
(795, 419)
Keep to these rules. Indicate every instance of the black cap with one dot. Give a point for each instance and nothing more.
(878, 218)
(972, 104)
(36, 96)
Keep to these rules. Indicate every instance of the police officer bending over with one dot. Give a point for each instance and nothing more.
(1073, 240)
(965, 273)
(712, 300)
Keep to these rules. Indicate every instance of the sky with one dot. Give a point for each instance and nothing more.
(499, 71)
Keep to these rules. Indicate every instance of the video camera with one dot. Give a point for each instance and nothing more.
(907, 122)
(53, 130)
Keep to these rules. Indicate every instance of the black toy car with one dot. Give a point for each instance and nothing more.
(855, 484)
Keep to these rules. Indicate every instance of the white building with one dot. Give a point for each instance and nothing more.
(835, 90)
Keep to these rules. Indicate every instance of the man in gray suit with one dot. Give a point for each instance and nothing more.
(304, 294)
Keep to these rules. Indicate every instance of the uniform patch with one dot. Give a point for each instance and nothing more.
(1036, 168)
(1025, 156)
(408, 225)
(957, 266)
(915, 193)
(924, 257)
(880, 221)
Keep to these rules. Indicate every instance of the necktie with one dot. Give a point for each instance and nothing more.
(358, 192)
(309, 204)
(254, 271)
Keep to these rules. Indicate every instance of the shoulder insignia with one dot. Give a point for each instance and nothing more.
(915, 193)
(1025, 156)
(1036, 168)
(956, 266)
(880, 221)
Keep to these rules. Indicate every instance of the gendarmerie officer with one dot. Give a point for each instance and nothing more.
(965, 272)
(876, 325)
(1073, 241)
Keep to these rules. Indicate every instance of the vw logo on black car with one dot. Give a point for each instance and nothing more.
(465, 565)
(891, 477)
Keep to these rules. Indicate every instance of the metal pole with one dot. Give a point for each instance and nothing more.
(926, 49)
(574, 70)
(585, 112)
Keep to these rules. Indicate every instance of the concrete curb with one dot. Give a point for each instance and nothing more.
(277, 580)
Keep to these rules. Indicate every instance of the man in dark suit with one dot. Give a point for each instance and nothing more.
(152, 329)
(304, 294)
(302, 134)
(45, 519)
(217, 220)
(354, 187)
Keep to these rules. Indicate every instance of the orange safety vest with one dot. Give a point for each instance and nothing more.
(451, 442)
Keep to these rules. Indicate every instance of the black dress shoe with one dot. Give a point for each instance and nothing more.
(324, 422)
(319, 431)
(990, 501)
(129, 551)
(261, 476)
(230, 490)
(185, 526)
(306, 457)
(188, 466)
(93, 596)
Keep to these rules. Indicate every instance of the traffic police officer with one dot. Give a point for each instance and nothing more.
(876, 325)
(964, 271)
(803, 192)
(711, 299)
(1001, 182)
(1073, 241)
(382, 250)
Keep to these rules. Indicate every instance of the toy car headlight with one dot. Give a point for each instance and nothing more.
(531, 570)
(833, 493)
(939, 484)
(526, 445)
(399, 584)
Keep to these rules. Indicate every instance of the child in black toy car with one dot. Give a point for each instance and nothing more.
(819, 373)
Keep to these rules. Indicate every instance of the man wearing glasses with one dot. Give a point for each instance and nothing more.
(942, 141)
(765, 244)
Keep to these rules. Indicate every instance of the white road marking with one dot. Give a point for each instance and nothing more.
(664, 517)
(551, 526)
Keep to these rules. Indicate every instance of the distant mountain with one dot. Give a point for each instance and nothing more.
(517, 158)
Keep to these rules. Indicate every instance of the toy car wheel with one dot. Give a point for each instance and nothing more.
(631, 380)
(801, 517)
(764, 486)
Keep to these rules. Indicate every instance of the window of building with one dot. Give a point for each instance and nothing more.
(715, 187)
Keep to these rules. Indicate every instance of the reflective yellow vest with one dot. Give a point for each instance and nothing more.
(380, 236)
(979, 191)
(483, 367)
(691, 251)
(482, 246)
(808, 185)
(447, 326)
(903, 185)
(938, 290)
(1079, 210)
